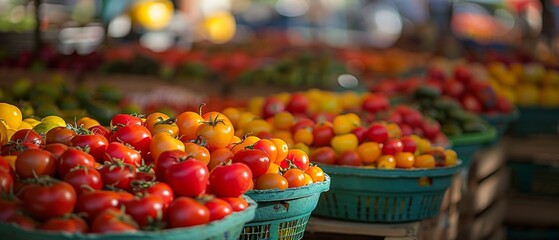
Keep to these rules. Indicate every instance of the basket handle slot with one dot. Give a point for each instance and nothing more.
(281, 207)
(425, 182)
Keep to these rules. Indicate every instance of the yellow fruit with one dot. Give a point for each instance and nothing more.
(342, 143)
(527, 95)
(301, 146)
(24, 125)
(394, 130)
(508, 79)
(10, 114)
(3, 133)
(424, 161)
(55, 120)
(551, 77)
(549, 96)
(284, 97)
(255, 105)
(450, 157)
(44, 127)
(32, 121)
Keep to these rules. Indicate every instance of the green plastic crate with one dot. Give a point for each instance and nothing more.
(384, 195)
(501, 122)
(466, 145)
(227, 228)
(283, 214)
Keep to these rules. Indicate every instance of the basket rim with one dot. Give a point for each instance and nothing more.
(215, 227)
(474, 138)
(391, 173)
(269, 195)
(501, 117)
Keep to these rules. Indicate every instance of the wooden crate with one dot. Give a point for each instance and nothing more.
(484, 224)
(532, 211)
(323, 228)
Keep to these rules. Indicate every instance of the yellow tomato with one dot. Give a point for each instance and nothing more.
(342, 143)
(369, 152)
(549, 96)
(10, 114)
(32, 121)
(386, 162)
(450, 157)
(255, 105)
(303, 135)
(394, 130)
(303, 147)
(44, 127)
(233, 114)
(257, 126)
(283, 120)
(55, 120)
(527, 94)
(162, 142)
(25, 125)
(3, 133)
(342, 125)
(87, 122)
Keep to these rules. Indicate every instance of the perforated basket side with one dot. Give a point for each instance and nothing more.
(379, 207)
(283, 229)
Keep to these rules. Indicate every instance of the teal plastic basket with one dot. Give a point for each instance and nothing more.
(283, 214)
(533, 121)
(384, 195)
(466, 145)
(501, 122)
(227, 228)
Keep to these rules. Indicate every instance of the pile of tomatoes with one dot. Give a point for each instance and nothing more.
(139, 173)
(342, 138)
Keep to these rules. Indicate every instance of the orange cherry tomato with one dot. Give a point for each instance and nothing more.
(188, 123)
(404, 160)
(282, 149)
(218, 156)
(198, 152)
(295, 177)
(386, 162)
(217, 132)
(316, 173)
(424, 161)
(271, 181)
(369, 152)
(162, 142)
(153, 119)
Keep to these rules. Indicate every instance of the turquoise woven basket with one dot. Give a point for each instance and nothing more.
(501, 122)
(536, 120)
(227, 228)
(467, 145)
(283, 214)
(384, 195)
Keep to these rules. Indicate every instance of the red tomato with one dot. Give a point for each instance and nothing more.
(409, 145)
(165, 160)
(116, 150)
(6, 182)
(219, 209)
(51, 199)
(96, 144)
(9, 208)
(94, 202)
(84, 176)
(377, 133)
(160, 189)
(325, 155)
(100, 130)
(188, 122)
(322, 134)
(15, 148)
(188, 178)
(257, 160)
(186, 212)
(298, 103)
(392, 147)
(27, 136)
(268, 147)
(59, 135)
(374, 103)
(113, 220)
(297, 157)
(139, 137)
(122, 119)
(35, 162)
(65, 224)
(143, 175)
(231, 180)
(361, 133)
(118, 174)
(302, 123)
(237, 203)
(23, 221)
(145, 209)
(349, 158)
(57, 149)
(271, 106)
(72, 158)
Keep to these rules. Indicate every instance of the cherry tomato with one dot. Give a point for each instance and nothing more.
(325, 155)
(271, 181)
(95, 143)
(282, 149)
(349, 158)
(165, 160)
(49, 198)
(237, 203)
(404, 160)
(6, 182)
(35, 162)
(322, 135)
(218, 208)
(163, 142)
(342, 143)
(118, 174)
(27, 136)
(160, 189)
(9, 207)
(268, 147)
(6, 168)
(248, 141)
(87, 122)
(65, 224)
(297, 157)
(198, 152)
(188, 178)
(145, 209)
(187, 123)
(15, 148)
(81, 176)
(23, 221)
(392, 147)
(100, 130)
(316, 173)
(91, 203)
(116, 150)
(72, 158)
(186, 212)
(153, 119)
(386, 162)
(113, 220)
(122, 119)
(369, 152)
(168, 126)
(295, 178)
(57, 149)
(139, 137)
(230, 180)
(377, 132)
(217, 133)
(219, 156)
(256, 160)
